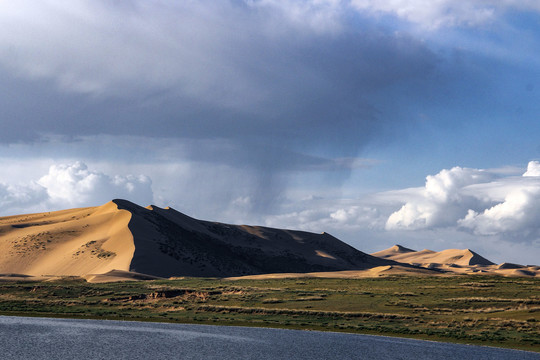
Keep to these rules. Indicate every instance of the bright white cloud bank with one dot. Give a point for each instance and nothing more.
(72, 185)
(475, 200)
(442, 200)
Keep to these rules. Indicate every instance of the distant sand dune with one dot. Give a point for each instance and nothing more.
(455, 261)
(449, 256)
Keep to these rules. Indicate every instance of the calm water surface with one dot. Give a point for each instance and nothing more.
(43, 338)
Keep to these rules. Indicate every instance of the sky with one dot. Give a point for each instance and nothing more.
(379, 121)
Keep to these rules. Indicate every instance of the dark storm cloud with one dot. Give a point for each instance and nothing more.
(271, 88)
(228, 71)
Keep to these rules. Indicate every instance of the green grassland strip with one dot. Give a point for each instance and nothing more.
(467, 309)
(333, 314)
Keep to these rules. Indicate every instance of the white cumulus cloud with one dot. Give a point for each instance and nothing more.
(480, 201)
(72, 185)
(533, 169)
(517, 214)
(442, 201)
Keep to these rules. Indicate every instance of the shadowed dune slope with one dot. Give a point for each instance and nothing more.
(169, 243)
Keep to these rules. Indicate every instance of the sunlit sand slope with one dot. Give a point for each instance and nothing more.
(68, 242)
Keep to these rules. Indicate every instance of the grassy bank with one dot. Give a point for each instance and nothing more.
(478, 310)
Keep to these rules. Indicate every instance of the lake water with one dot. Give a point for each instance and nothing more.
(44, 338)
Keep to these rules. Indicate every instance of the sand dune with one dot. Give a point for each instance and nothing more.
(454, 261)
(69, 242)
(127, 238)
(446, 257)
(123, 241)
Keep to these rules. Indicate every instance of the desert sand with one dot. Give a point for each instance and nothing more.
(72, 242)
(455, 261)
(123, 241)
(376, 271)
